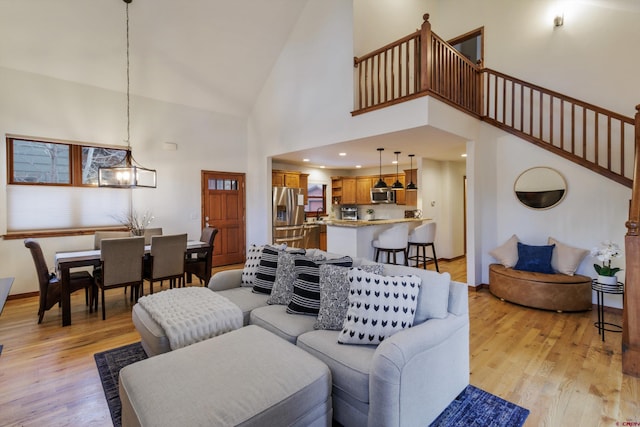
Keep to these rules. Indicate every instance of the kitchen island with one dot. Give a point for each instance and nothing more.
(354, 237)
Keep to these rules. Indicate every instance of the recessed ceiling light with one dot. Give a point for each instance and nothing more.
(394, 162)
(321, 167)
(342, 154)
(358, 166)
(305, 160)
(463, 155)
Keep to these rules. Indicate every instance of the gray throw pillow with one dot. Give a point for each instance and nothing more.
(266, 273)
(285, 276)
(334, 294)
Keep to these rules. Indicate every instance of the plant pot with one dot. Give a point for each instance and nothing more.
(607, 280)
(369, 217)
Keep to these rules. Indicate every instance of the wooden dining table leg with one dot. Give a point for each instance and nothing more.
(65, 297)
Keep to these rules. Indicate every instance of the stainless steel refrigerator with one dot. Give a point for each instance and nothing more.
(288, 216)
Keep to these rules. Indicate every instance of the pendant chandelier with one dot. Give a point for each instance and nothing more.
(411, 185)
(130, 174)
(380, 183)
(397, 185)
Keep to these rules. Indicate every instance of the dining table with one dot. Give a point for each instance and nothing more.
(65, 261)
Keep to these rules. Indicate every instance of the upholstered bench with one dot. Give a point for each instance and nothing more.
(247, 377)
(559, 292)
(178, 317)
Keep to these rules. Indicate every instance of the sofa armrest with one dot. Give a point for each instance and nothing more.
(426, 363)
(226, 279)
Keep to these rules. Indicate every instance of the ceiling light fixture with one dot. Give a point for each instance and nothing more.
(380, 183)
(411, 185)
(397, 185)
(130, 174)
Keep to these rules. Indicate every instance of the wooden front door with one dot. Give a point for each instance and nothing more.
(223, 206)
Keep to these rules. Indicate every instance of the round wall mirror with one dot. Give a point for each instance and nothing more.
(540, 188)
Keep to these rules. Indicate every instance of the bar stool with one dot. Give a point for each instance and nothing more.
(422, 236)
(392, 241)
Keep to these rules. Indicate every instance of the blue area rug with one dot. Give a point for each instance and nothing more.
(473, 407)
(476, 407)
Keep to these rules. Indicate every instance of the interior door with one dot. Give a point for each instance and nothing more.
(223, 207)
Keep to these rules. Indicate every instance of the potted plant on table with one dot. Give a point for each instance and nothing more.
(605, 254)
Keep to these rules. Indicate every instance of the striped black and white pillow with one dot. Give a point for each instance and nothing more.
(266, 272)
(306, 287)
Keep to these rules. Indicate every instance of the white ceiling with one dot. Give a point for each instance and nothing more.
(210, 54)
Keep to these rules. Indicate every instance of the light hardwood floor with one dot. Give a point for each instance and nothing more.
(553, 364)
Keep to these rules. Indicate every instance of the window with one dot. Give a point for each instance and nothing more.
(315, 198)
(53, 186)
(56, 163)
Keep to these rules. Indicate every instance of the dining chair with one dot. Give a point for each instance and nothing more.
(166, 260)
(121, 260)
(150, 232)
(422, 236)
(392, 241)
(197, 265)
(51, 286)
(99, 235)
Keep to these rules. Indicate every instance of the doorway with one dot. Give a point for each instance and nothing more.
(223, 207)
(471, 45)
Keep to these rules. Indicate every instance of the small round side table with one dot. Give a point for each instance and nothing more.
(601, 289)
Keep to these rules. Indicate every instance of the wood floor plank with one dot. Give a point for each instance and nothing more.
(554, 364)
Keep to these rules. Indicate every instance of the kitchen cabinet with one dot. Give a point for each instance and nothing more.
(290, 179)
(411, 196)
(303, 182)
(348, 191)
(323, 237)
(363, 190)
(336, 190)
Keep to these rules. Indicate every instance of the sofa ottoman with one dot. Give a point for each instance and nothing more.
(247, 377)
(183, 316)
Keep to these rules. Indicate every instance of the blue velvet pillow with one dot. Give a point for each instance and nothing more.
(534, 258)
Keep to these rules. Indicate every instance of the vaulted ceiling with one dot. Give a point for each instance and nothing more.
(210, 54)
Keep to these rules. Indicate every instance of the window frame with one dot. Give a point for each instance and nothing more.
(323, 198)
(75, 174)
(75, 160)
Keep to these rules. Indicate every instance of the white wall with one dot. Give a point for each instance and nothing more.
(34, 105)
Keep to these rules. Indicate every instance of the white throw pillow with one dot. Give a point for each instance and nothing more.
(566, 259)
(379, 306)
(507, 253)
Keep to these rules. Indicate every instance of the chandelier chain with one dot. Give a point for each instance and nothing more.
(128, 83)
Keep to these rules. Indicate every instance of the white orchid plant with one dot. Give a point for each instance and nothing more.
(605, 255)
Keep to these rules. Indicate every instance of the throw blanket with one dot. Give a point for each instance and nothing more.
(191, 314)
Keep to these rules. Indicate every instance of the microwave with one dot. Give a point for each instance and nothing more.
(383, 195)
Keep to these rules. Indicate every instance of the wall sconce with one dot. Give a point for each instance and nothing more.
(558, 20)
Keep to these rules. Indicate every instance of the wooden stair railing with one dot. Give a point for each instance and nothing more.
(598, 139)
(603, 141)
(631, 309)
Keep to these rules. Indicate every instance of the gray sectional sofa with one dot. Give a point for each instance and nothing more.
(406, 380)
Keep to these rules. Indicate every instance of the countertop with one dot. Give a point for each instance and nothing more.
(365, 223)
